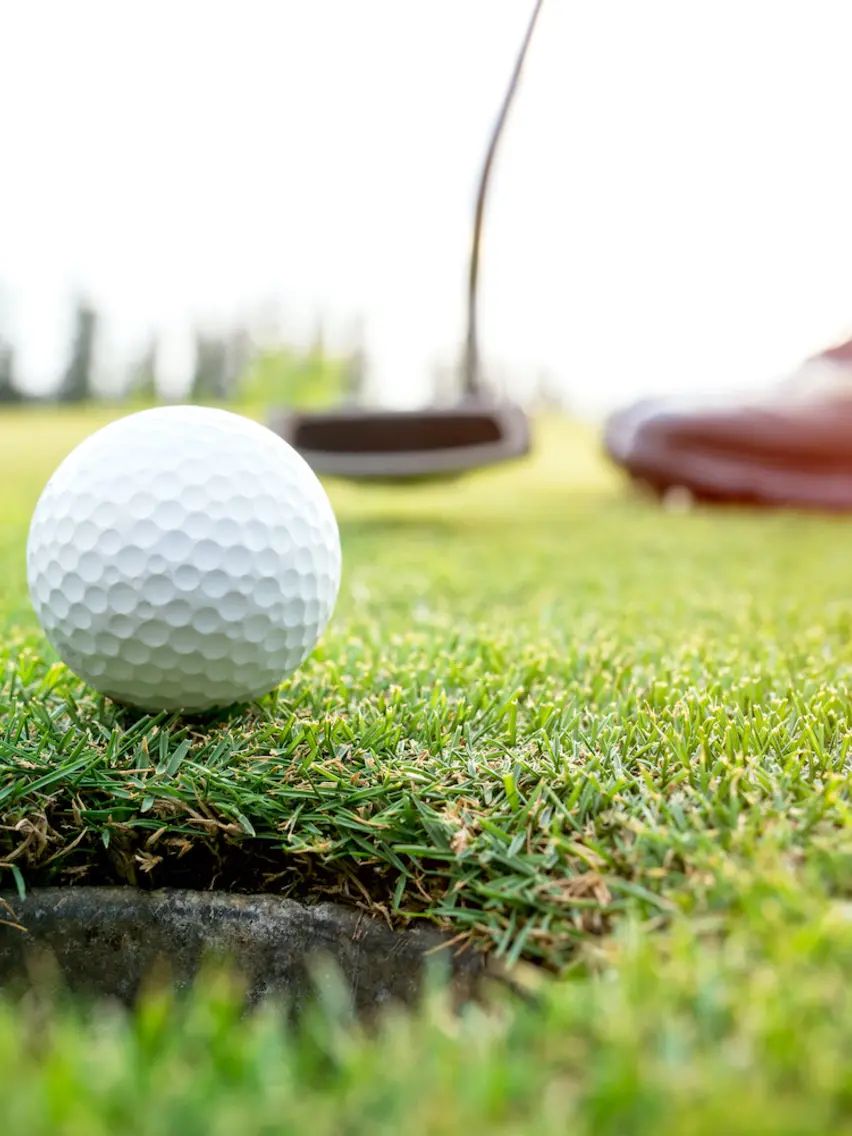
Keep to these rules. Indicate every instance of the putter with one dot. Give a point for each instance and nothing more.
(358, 443)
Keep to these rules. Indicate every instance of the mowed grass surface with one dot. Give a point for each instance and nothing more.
(749, 1036)
(572, 726)
(540, 704)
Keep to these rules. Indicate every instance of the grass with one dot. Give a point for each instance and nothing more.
(570, 726)
(684, 1036)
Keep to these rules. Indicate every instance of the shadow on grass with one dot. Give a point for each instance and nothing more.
(128, 717)
(543, 508)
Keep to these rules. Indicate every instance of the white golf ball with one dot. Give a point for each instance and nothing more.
(183, 558)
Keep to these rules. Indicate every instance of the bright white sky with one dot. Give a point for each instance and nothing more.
(671, 211)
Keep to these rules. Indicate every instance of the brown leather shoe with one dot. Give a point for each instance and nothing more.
(791, 447)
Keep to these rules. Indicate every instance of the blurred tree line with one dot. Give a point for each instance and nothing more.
(228, 367)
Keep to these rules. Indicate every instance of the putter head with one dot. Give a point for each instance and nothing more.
(407, 445)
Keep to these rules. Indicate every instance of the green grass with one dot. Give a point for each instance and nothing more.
(682, 1036)
(545, 713)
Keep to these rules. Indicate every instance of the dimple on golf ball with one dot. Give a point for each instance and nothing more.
(183, 558)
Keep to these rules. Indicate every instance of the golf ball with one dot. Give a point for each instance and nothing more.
(183, 558)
